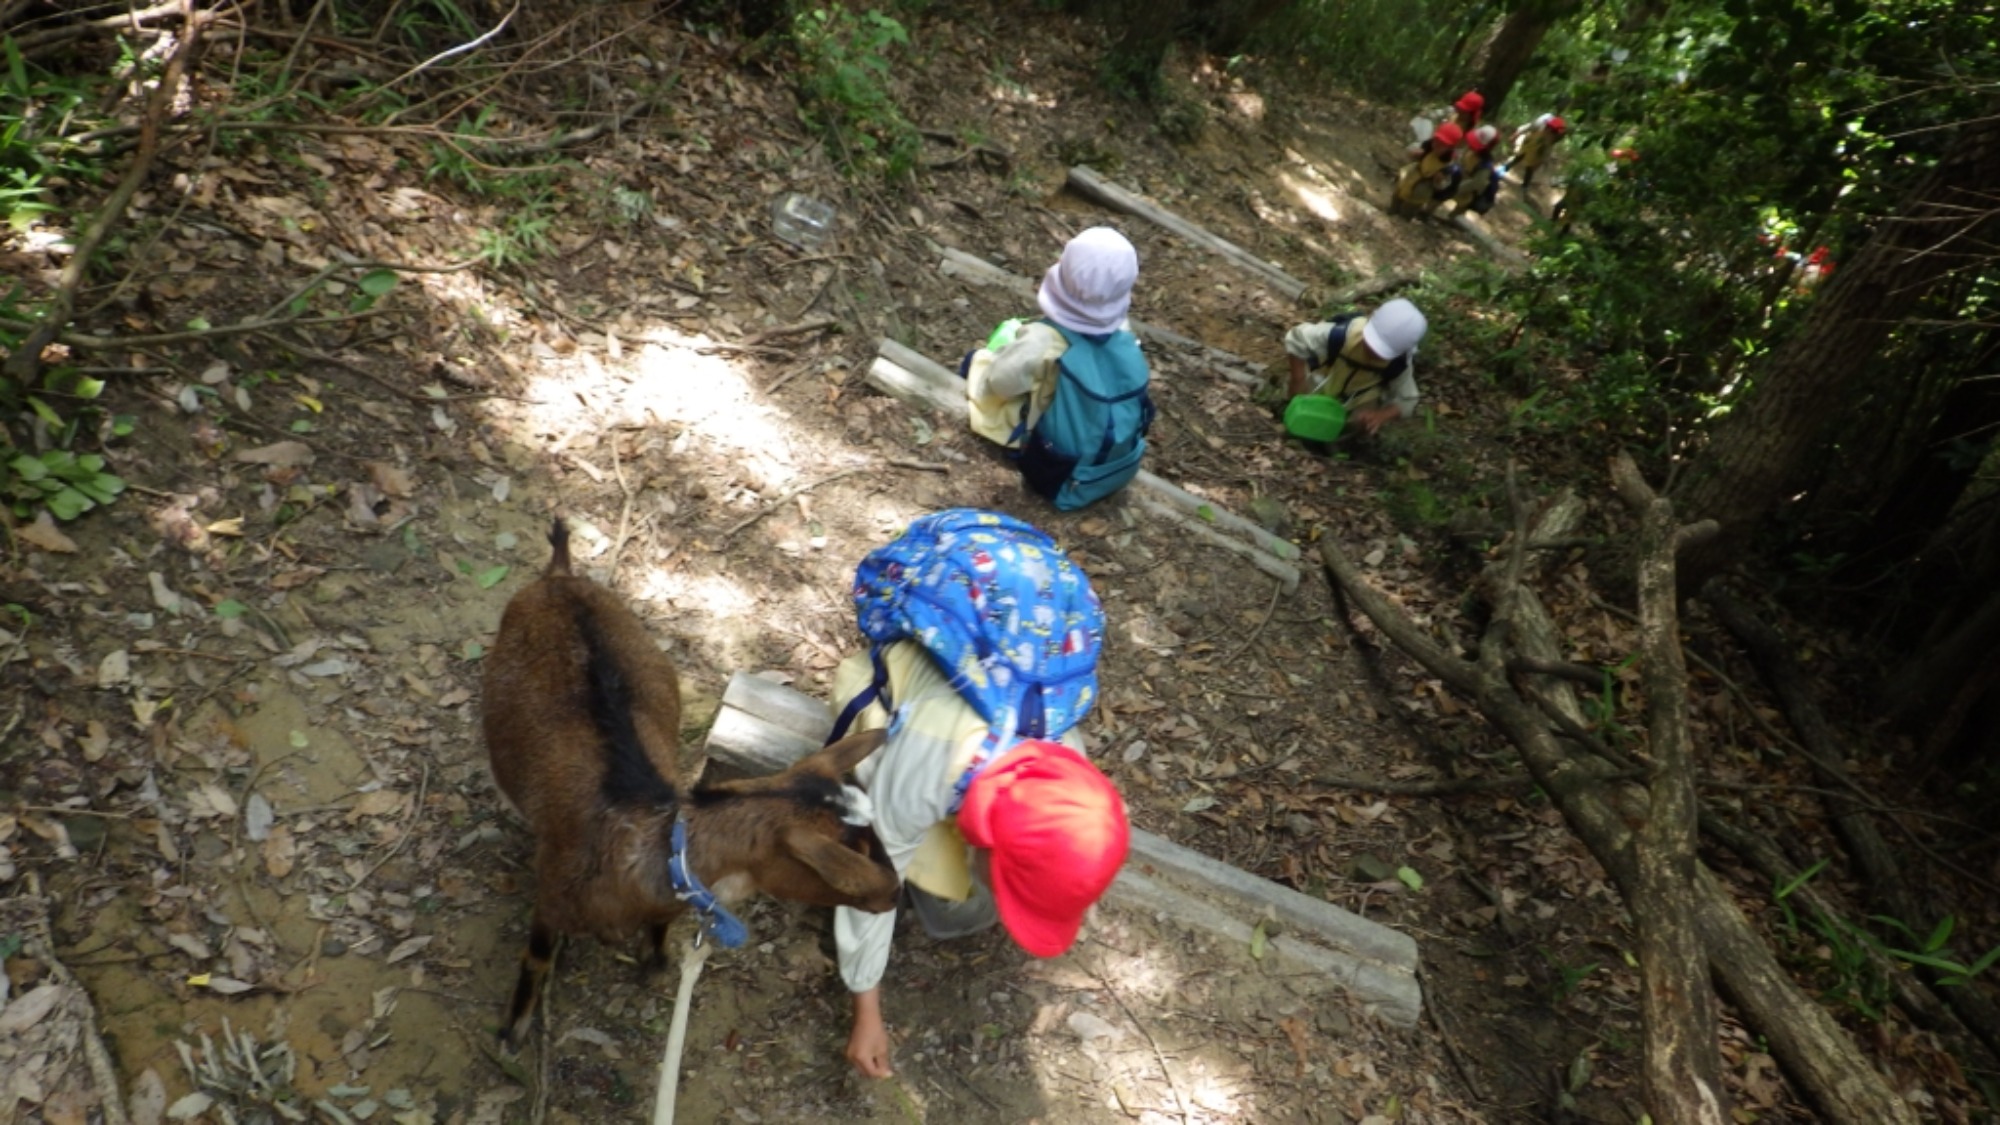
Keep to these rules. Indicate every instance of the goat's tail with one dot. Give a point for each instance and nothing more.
(559, 541)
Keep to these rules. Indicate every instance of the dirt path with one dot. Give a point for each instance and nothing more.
(246, 758)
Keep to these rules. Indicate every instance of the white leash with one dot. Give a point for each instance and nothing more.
(670, 1062)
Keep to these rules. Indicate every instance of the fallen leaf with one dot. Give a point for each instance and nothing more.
(163, 595)
(280, 853)
(43, 533)
(114, 669)
(228, 986)
(257, 818)
(29, 1009)
(381, 802)
(594, 1037)
(281, 453)
(409, 948)
(219, 799)
(231, 527)
(148, 1103)
(392, 480)
(191, 945)
(1295, 1030)
(190, 1107)
(96, 741)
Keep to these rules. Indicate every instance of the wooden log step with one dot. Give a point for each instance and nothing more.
(764, 726)
(914, 377)
(978, 271)
(1093, 186)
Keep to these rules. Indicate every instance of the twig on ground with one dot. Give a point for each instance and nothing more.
(788, 376)
(624, 513)
(1276, 589)
(1180, 1103)
(332, 268)
(920, 466)
(802, 327)
(787, 498)
(409, 823)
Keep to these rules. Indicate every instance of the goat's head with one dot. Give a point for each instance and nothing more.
(801, 835)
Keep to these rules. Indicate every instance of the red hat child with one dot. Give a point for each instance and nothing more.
(1448, 134)
(1056, 834)
(1471, 102)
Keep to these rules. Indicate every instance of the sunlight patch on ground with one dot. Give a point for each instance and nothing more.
(706, 399)
(1315, 197)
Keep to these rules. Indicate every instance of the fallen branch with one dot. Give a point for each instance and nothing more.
(1445, 787)
(105, 343)
(34, 43)
(802, 327)
(1819, 1056)
(1682, 1067)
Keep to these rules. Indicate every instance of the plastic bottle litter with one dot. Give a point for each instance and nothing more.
(801, 220)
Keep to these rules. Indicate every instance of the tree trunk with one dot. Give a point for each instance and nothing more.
(1760, 447)
(1513, 46)
(1916, 504)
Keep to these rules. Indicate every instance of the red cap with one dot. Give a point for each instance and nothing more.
(1472, 102)
(1056, 833)
(1449, 133)
(1558, 126)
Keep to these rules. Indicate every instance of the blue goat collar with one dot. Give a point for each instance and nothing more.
(728, 929)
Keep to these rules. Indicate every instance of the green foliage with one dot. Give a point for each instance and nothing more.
(66, 484)
(1568, 977)
(1764, 130)
(522, 237)
(844, 89)
(34, 107)
(1386, 48)
(1931, 952)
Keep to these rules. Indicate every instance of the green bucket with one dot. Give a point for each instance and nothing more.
(1315, 417)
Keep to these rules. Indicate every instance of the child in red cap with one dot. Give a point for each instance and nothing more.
(1533, 144)
(1432, 175)
(1034, 835)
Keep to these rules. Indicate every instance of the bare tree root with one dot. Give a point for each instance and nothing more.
(1817, 1054)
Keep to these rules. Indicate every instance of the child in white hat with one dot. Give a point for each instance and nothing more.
(1068, 391)
(1365, 361)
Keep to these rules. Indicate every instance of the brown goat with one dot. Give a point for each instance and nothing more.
(582, 720)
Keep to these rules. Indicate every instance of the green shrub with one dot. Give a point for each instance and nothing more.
(844, 90)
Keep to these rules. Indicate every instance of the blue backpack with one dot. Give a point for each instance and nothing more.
(1088, 442)
(1002, 610)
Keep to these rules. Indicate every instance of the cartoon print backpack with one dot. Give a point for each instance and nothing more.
(1089, 441)
(1004, 612)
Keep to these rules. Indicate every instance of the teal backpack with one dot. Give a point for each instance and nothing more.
(1088, 443)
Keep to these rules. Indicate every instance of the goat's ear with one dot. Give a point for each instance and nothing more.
(864, 883)
(848, 752)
